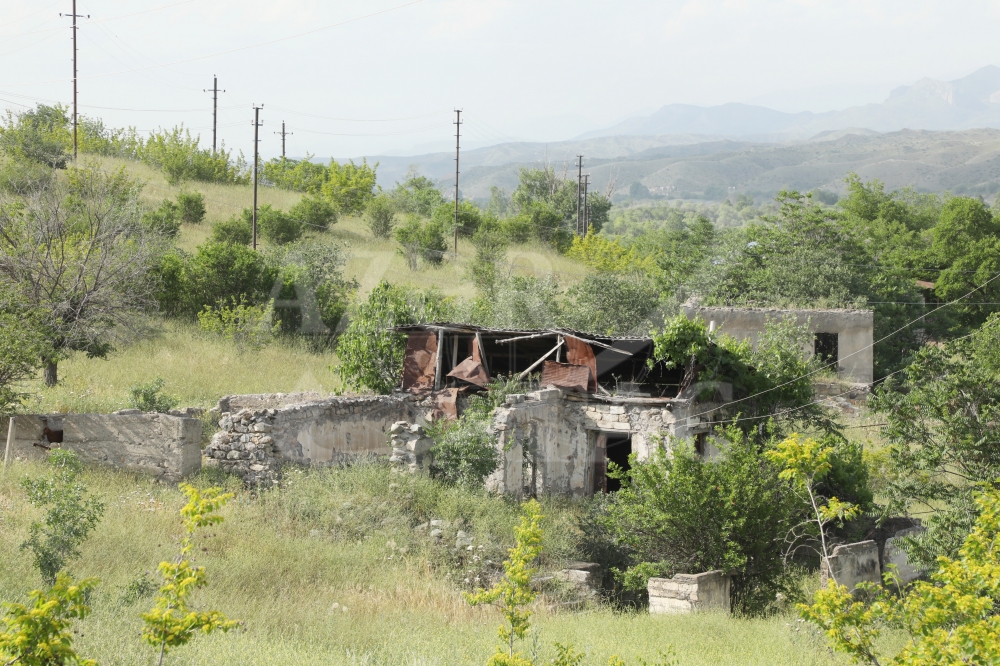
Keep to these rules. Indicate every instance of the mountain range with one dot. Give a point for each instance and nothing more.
(932, 135)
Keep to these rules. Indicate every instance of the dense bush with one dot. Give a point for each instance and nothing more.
(164, 220)
(348, 187)
(178, 154)
(417, 194)
(314, 212)
(38, 135)
(249, 327)
(237, 230)
(469, 217)
(312, 295)
(275, 225)
(680, 513)
(421, 239)
(224, 272)
(380, 216)
(191, 207)
(615, 304)
(149, 397)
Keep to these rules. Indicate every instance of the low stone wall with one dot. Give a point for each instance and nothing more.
(162, 445)
(853, 563)
(255, 442)
(687, 593)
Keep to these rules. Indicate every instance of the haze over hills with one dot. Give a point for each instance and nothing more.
(969, 102)
(933, 135)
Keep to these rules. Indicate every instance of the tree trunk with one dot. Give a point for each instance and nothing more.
(51, 372)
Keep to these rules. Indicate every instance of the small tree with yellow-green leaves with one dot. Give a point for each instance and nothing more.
(172, 623)
(38, 634)
(806, 462)
(951, 618)
(513, 592)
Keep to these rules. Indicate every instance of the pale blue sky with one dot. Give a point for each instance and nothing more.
(539, 70)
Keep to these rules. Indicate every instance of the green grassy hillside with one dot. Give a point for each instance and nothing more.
(328, 570)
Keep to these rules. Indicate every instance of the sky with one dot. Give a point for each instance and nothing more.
(384, 76)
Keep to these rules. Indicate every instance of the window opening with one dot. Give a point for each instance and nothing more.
(825, 348)
(610, 447)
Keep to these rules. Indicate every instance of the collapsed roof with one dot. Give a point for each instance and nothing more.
(447, 355)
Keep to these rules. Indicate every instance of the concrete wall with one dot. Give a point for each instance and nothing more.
(687, 593)
(167, 447)
(555, 432)
(254, 442)
(895, 556)
(853, 563)
(854, 329)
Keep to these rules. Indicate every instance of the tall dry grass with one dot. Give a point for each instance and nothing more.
(289, 561)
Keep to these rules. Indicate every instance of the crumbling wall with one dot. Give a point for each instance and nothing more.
(546, 438)
(854, 329)
(162, 445)
(687, 593)
(254, 442)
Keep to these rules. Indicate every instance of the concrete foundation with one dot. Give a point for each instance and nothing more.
(688, 593)
(853, 563)
(161, 445)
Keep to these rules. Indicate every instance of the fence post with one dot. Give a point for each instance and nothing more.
(10, 442)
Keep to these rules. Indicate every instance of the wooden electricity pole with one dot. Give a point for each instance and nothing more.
(215, 110)
(76, 113)
(458, 127)
(256, 162)
(283, 134)
(586, 206)
(579, 191)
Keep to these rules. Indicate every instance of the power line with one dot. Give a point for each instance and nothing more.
(360, 120)
(105, 20)
(235, 50)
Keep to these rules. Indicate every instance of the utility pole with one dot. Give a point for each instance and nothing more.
(579, 191)
(256, 161)
(215, 109)
(76, 114)
(458, 127)
(283, 134)
(586, 205)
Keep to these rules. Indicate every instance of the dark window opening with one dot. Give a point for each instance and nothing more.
(610, 448)
(825, 348)
(700, 440)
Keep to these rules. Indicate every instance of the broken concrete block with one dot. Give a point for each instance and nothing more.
(894, 555)
(851, 564)
(687, 593)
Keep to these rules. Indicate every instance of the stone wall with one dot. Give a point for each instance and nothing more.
(687, 593)
(255, 441)
(854, 329)
(853, 563)
(555, 432)
(162, 445)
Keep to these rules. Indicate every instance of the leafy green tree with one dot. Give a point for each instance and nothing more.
(543, 186)
(638, 191)
(513, 592)
(191, 207)
(371, 355)
(499, 204)
(599, 210)
(613, 304)
(148, 397)
(350, 186)
(421, 239)
(76, 251)
(172, 623)
(69, 517)
(311, 294)
(491, 243)
(39, 634)
(181, 158)
(519, 302)
(417, 194)
(296, 175)
(22, 345)
(941, 416)
(380, 216)
(39, 135)
(469, 218)
(314, 212)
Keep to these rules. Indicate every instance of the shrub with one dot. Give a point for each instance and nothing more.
(313, 295)
(165, 219)
(277, 226)
(491, 251)
(249, 327)
(148, 398)
(425, 240)
(237, 230)
(314, 212)
(191, 207)
(408, 237)
(469, 217)
(380, 216)
(39, 635)
(224, 272)
(614, 304)
(39, 135)
(181, 158)
(682, 514)
(21, 348)
(70, 515)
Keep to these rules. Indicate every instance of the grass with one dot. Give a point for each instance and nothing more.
(288, 562)
(197, 367)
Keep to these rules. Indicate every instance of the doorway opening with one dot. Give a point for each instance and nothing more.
(610, 447)
(826, 348)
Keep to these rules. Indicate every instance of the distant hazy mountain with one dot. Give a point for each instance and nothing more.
(972, 101)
